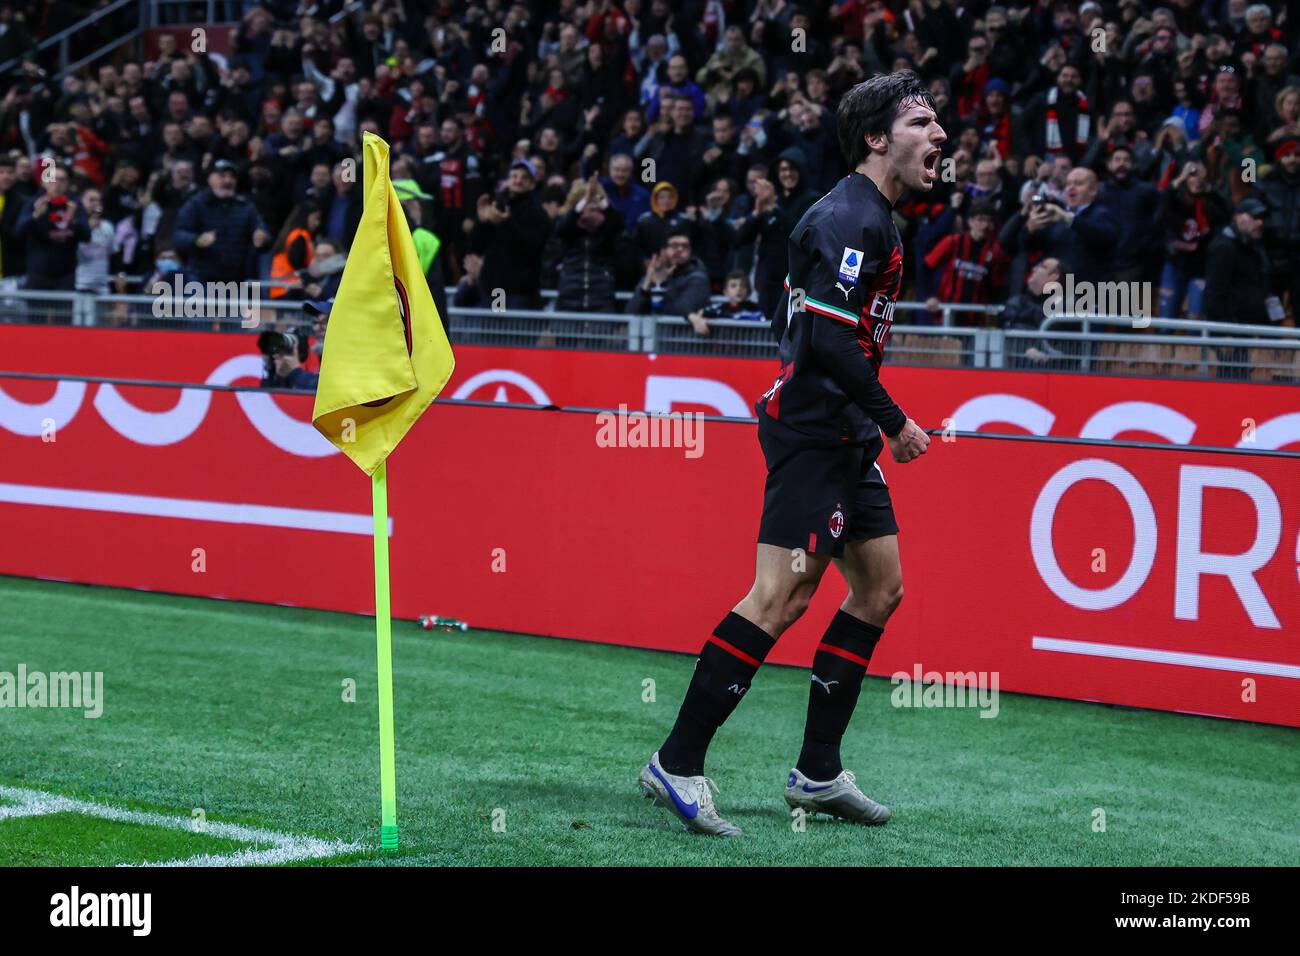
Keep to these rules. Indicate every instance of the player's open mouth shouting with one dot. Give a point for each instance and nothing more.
(931, 166)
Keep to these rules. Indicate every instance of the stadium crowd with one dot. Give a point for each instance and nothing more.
(666, 148)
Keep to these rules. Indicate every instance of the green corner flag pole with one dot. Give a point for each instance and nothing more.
(384, 641)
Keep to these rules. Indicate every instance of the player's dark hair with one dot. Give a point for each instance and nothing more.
(871, 107)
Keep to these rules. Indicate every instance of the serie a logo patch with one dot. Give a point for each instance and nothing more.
(850, 265)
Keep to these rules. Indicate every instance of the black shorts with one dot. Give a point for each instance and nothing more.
(818, 496)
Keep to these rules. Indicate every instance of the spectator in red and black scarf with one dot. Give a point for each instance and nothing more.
(972, 263)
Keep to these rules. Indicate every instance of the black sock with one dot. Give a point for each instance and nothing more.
(838, 667)
(723, 673)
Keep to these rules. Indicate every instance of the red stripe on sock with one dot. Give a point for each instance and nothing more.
(735, 651)
(847, 655)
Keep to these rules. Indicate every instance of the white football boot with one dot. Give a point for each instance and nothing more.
(688, 798)
(839, 798)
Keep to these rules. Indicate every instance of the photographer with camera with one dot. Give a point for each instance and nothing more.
(284, 353)
(1081, 232)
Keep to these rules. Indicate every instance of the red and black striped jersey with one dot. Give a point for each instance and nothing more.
(834, 317)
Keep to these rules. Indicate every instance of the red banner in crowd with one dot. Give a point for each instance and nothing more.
(1041, 403)
(1161, 578)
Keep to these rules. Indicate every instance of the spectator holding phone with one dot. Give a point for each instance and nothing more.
(53, 224)
(1081, 233)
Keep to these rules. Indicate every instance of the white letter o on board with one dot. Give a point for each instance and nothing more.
(1144, 535)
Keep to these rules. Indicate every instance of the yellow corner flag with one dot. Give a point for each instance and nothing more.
(386, 358)
(386, 354)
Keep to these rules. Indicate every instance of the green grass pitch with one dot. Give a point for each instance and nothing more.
(239, 710)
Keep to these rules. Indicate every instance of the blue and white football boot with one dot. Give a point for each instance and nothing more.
(839, 798)
(688, 799)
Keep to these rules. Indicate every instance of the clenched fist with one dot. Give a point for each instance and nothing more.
(909, 443)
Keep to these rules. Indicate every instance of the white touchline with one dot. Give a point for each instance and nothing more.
(305, 519)
(1158, 656)
(284, 847)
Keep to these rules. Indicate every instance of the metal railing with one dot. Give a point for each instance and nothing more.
(50, 308)
(947, 310)
(1169, 348)
(673, 335)
(147, 311)
(175, 12)
(1134, 345)
(63, 38)
(528, 328)
(908, 344)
